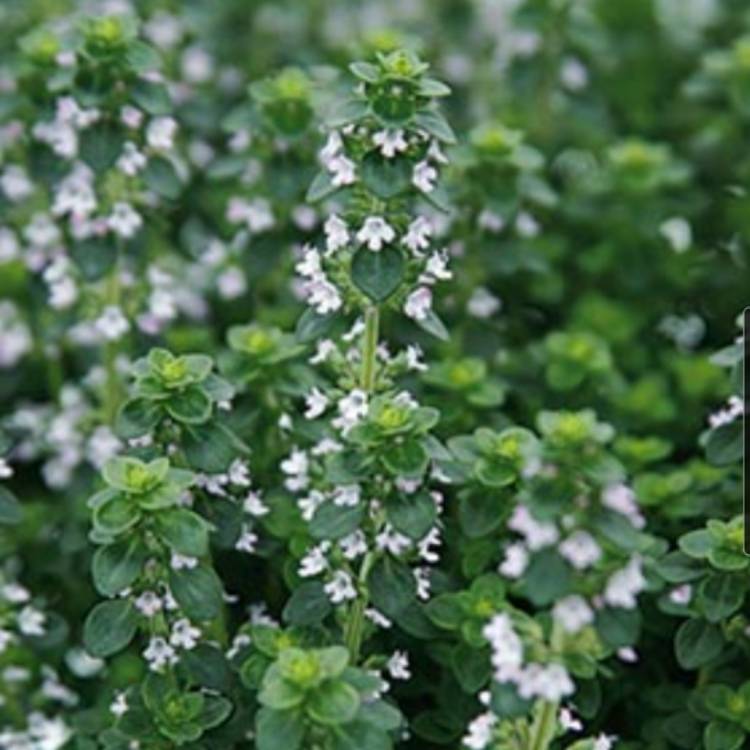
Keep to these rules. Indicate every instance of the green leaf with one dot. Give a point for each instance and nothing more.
(696, 543)
(618, 627)
(308, 605)
(697, 643)
(190, 406)
(378, 275)
(278, 730)
(160, 176)
(109, 627)
(151, 97)
(392, 586)
(435, 124)
(95, 257)
(413, 515)
(137, 417)
(211, 447)
(507, 703)
(721, 595)
(10, 508)
(471, 667)
(721, 735)
(215, 709)
(361, 735)
(320, 188)
(434, 326)
(116, 515)
(184, 531)
(406, 459)
(311, 326)
(387, 178)
(100, 146)
(547, 579)
(333, 702)
(279, 693)
(115, 566)
(198, 591)
(142, 57)
(445, 611)
(332, 521)
(724, 444)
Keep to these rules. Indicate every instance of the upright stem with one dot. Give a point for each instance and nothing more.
(369, 348)
(544, 726)
(355, 624)
(111, 350)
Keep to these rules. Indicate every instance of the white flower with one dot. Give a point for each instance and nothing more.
(247, 541)
(112, 324)
(424, 176)
(419, 303)
(620, 498)
(337, 233)
(573, 74)
(323, 351)
(119, 705)
(490, 221)
(296, 467)
(239, 473)
(550, 682)
(180, 562)
(390, 142)
(482, 303)
(160, 133)
(346, 496)
(75, 195)
(253, 505)
(159, 653)
(527, 225)
(316, 403)
(149, 603)
(184, 634)
(479, 733)
(398, 666)
(131, 117)
(124, 220)
(573, 613)
(352, 409)
(31, 621)
(310, 503)
(323, 296)
(624, 585)
(414, 358)
(627, 654)
(315, 561)
(46, 734)
(131, 161)
(681, 594)
(568, 721)
(231, 283)
(392, 541)
(418, 235)
(15, 183)
(309, 266)
(353, 545)
(507, 648)
(342, 171)
(537, 534)
(515, 562)
(580, 549)
(332, 148)
(375, 233)
(678, 233)
(340, 588)
(604, 742)
(436, 269)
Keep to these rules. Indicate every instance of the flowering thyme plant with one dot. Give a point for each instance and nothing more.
(373, 405)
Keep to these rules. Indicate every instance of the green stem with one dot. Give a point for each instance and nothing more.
(355, 624)
(111, 350)
(544, 726)
(369, 349)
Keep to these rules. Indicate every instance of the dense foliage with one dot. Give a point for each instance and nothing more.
(371, 374)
